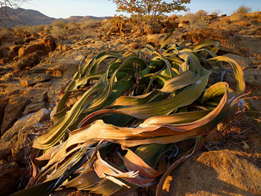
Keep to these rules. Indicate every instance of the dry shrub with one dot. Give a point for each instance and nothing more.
(58, 31)
(59, 23)
(216, 12)
(89, 23)
(201, 13)
(18, 29)
(197, 20)
(47, 27)
(172, 18)
(32, 29)
(5, 32)
(242, 9)
(71, 26)
(106, 25)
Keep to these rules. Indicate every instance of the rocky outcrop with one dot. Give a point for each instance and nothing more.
(32, 79)
(16, 146)
(27, 61)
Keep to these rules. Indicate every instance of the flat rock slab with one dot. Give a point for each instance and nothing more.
(217, 173)
(30, 80)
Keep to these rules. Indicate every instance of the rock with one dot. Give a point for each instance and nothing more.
(134, 45)
(221, 172)
(4, 60)
(17, 140)
(4, 52)
(230, 42)
(183, 24)
(60, 64)
(32, 79)
(244, 62)
(12, 54)
(155, 38)
(153, 29)
(113, 30)
(36, 95)
(252, 77)
(33, 107)
(28, 49)
(47, 44)
(28, 61)
(2, 109)
(12, 112)
(211, 17)
(9, 175)
(15, 47)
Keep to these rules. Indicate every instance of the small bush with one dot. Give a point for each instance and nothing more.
(216, 12)
(32, 29)
(243, 9)
(40, 27)
(201, 13)
(58, 31)
(59, 23)
(5, 32)
(197, 20)
(71, 26)
(89, 23)
(47, 27)
(18, 29)
(106, 26)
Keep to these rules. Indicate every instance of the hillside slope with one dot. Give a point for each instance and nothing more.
(23, 17)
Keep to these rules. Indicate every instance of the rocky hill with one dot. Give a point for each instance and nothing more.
(34, 66)
(24, 17)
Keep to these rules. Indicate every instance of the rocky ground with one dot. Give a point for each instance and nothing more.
(34, 67)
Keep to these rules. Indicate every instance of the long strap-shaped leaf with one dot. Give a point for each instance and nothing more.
(239, 75)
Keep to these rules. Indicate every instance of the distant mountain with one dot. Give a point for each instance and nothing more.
(23, 17)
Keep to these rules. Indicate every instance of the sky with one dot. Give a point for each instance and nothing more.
(67, 8)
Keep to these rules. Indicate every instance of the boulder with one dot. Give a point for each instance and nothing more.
(32, 79)
(28, 61)
(183, 24)
(28, 49)
(33, 107)
(12, 54)
(36, 95)
(47, 44)
(213, 173)
(12, 112)
(9, 175)
(2, 109)
(15, 47)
